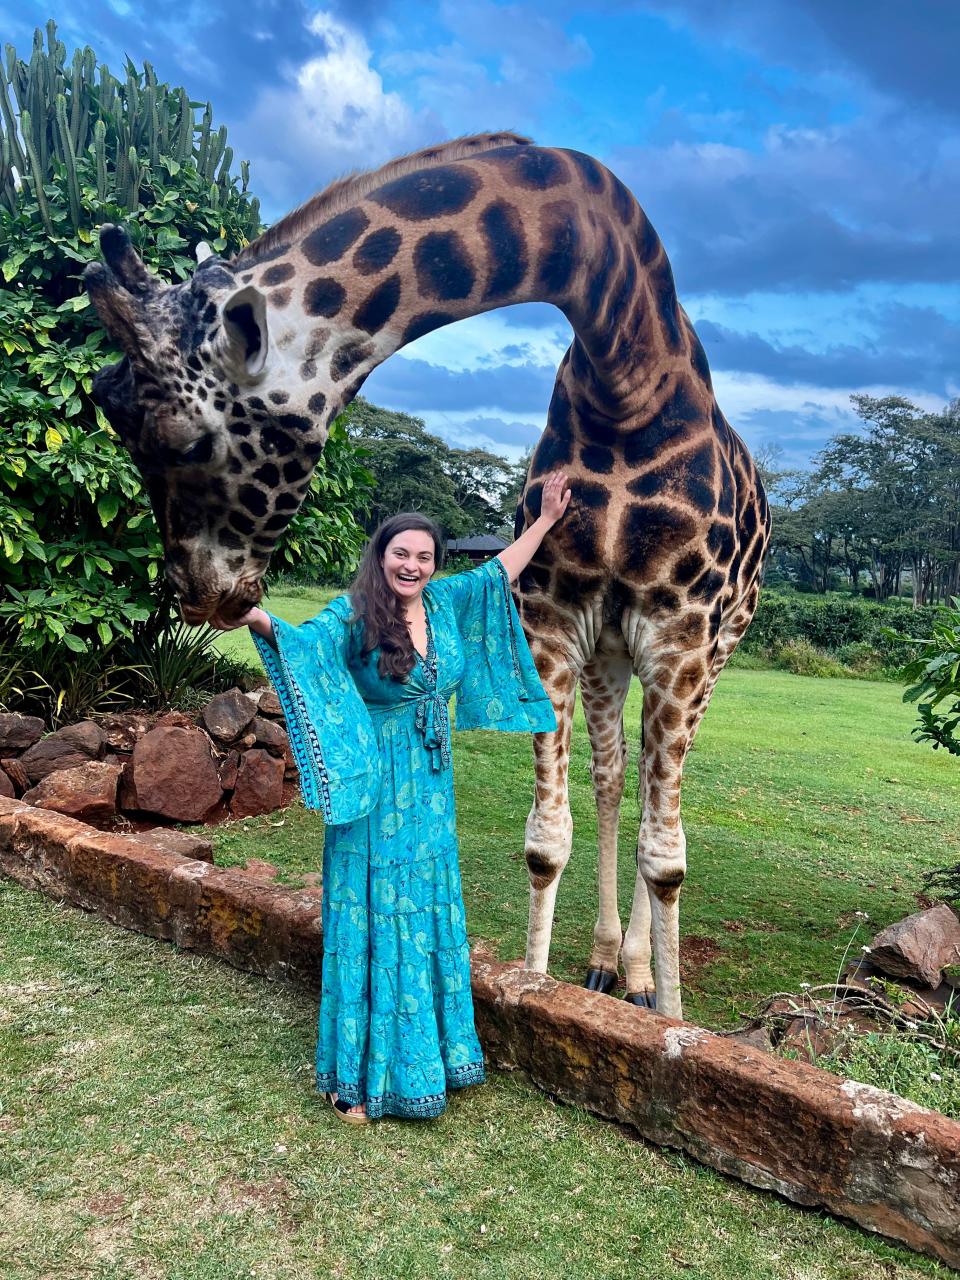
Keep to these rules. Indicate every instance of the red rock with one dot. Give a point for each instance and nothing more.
(65, 749)
(268, 705)
(228, 770)
(175, 774)
(6, 786)
(18, 732)
(227, 715)
(183, 842)
(124, 729)
(176, 720)
(17, 775)
(259, 786)
(87, 792)
(918, 947)
(270, 736)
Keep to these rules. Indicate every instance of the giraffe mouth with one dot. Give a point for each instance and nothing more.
(228, 608)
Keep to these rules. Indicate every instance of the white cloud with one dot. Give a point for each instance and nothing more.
(333, 115)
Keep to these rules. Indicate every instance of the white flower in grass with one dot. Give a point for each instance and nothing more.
(934, 1076)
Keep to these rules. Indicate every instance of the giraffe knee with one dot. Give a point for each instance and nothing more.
(543, 869)
(662, 861)
(549, 839)
(665, 885)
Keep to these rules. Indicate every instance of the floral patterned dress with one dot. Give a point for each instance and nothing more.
(396, 1027)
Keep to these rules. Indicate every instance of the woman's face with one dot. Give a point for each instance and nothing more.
(408, 562)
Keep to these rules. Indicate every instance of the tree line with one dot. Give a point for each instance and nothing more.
(467, 491)
(879, 511)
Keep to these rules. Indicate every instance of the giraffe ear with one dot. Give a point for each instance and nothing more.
(245, 342)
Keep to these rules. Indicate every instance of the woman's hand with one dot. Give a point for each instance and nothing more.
(248, 619)
(555, 500)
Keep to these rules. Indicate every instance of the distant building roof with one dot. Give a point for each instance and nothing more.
(479, 542)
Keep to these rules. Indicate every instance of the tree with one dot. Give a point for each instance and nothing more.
(81, 554)
(462, 489)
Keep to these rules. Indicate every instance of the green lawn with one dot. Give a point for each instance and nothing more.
(158, 1120)
(157, 1113)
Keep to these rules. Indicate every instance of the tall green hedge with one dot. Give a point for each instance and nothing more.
(833, 623)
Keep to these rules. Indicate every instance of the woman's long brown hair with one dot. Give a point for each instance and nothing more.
(378, 607)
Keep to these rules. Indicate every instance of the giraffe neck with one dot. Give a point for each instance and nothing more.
(452, 240)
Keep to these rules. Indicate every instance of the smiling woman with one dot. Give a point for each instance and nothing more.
(365, 687)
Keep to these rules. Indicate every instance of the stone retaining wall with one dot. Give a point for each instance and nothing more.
(785, 1126)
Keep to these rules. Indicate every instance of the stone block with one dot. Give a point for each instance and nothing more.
(18, 733)
(259, 786)
(88, 791)
(918, 947)
(174, 774)
(227, 715)
(65, 749)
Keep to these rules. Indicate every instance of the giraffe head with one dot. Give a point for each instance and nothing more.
(226, 460)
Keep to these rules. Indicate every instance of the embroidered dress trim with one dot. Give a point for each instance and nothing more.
(314, 781)
(394, 1104)
(508, 620)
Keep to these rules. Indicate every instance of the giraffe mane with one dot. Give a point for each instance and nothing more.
(346, 191)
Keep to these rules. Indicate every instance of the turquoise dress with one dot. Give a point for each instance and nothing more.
(396, 1027)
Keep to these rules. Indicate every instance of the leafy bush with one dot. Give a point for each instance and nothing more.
(935, 677)
(868, 638)
(804, 659)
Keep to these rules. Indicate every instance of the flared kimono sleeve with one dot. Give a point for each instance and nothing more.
(500, 688)
(331, 734)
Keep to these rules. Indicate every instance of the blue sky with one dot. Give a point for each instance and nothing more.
(800, 159)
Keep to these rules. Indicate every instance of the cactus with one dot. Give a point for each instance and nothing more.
(100, 154)
(76, 118)
(69, 159)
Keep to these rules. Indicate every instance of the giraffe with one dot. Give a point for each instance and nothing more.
(230, 380)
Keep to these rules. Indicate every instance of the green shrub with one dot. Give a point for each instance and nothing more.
(804, 659)
(934, 676)
(868, 638)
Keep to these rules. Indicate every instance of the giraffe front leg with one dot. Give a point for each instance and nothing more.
(549, 833)
(672, 704)
(603, 691)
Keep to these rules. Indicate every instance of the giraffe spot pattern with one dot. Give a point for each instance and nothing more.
(428, 193)
(377, 251)
(279, 274)
(423, 323)
(374, 312)
(597, 458)
(323, 297)
(588, 168)
(560, 245)
(329, 242)
(534, 168)
(507, 261)
(443, 266)
(347, 357)
(253, 499)
(650, 532)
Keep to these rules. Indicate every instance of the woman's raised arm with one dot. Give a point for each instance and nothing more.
(556, 497)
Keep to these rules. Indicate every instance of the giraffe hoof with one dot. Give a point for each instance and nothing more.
(642, 999)
(601, 980)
